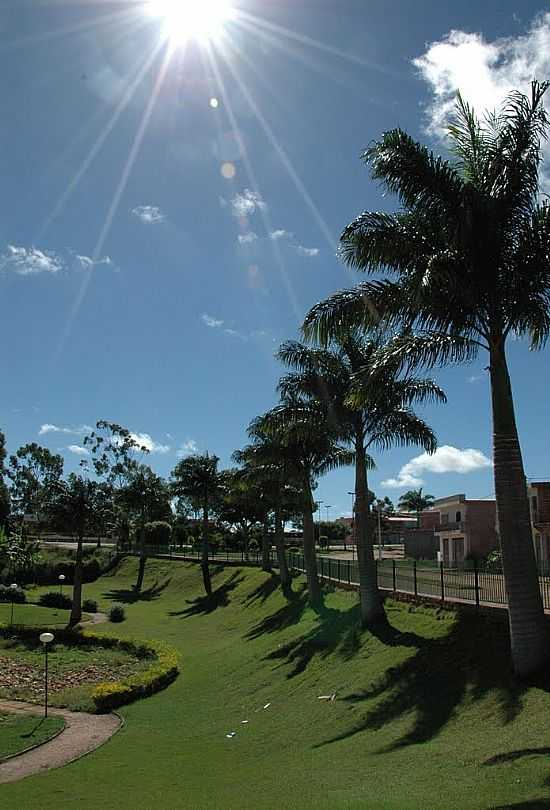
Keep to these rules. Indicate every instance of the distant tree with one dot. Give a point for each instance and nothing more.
(415, 501)
(198, 479)
(5, 503)
(34, 472)
(71, 503)
(17, 552)
(241, 503)
(144, 497)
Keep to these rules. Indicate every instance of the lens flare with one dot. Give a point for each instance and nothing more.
(201, 20)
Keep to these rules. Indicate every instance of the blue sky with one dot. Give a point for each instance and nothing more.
(170, 214)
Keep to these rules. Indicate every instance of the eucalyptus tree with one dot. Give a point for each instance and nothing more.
(33, 471)
(241, 504)
(71, 504)
(302, 427)
(198, 479)
(5, 502)
(367, 409)
(469, 254)
(415, 501)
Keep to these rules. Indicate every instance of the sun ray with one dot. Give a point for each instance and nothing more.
(123, 103)
(285, 160)
(298, 312)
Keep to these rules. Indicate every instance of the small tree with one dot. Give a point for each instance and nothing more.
(197, 478)
(158, 533)
(415, 501)
(5, 503)
(34, 473)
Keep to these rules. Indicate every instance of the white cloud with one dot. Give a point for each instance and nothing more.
(280, 233)
(145, 440)
(188, 448)
(148, 214)
(247, 238)
(484, 72)
(235, 333)
(78, 450)
(309, 252)
(247, 203)
(30, 261)
(446, 459)
(71, 431)
(474, 378)
(213, 323)
(87, 263)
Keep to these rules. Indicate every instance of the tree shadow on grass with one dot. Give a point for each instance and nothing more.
(335, 631)
(472, 659)
(129, 596)
(532, 804)
(204, 605)
(264, 590)
(286, 616)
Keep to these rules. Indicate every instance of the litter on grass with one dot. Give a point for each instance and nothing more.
(243, 722)
(327, 697)
(230, 735)
(267, 705)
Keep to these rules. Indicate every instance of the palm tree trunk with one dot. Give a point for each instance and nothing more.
(371, 606)
(205, 566)
(310, 557)
(76, 609)
(142, 560)
(528, 632)
(284, 573)
(266, 546)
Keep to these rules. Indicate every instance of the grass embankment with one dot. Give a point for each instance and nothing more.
(29, 615)
(425, 715)
(21, 731)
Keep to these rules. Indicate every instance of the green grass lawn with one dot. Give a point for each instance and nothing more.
(425, 716)
(29, 614)
(21, 731)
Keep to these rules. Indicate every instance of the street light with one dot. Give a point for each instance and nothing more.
(319, 510)
(353, 525)
(46, 639)
(13, 588)
(61, 579)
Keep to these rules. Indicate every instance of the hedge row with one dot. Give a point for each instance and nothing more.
(108, 696)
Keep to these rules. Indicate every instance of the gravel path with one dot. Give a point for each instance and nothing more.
(83, 733)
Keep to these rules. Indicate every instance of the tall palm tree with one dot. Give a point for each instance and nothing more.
(469, 250)
(367, 409)
(311, 449)
(415, 501)
(197, 478)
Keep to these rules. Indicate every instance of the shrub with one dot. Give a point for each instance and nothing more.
(179, 535)
(117, 613)
(163, 670)
(89, 606)
(16, 595)
(157, 533)
(55, 599)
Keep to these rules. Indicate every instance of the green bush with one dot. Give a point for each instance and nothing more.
(55, 599)
(16, 595)
(117, 613)
(179, 536)
(157, 533)
(163, 670)
(89, 606)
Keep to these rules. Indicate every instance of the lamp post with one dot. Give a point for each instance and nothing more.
(61, 579)
(46, 639)
(13, 588)
(319, 510)
(352, 522)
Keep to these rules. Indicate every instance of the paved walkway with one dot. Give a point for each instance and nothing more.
(83, 733)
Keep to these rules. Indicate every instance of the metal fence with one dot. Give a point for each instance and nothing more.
(472, 582)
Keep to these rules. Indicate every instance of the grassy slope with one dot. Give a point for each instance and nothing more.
(29, 614)
(420, 708)
(18, 731)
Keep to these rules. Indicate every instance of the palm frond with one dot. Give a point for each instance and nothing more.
(403, 428)
(426, 350)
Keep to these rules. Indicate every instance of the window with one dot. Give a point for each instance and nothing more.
(458, 517)
(444, 517)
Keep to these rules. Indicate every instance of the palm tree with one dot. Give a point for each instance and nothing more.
(367, 409)
(198, 479)
(415, 501)
(311, 448)
(470, 255)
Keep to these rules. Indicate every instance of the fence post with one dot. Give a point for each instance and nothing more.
(393, 576)
(338, 570)
(476, 581)
(442, 581)
(415, 580)
(349, 571)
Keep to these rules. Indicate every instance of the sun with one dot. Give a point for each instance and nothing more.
(182, 20)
